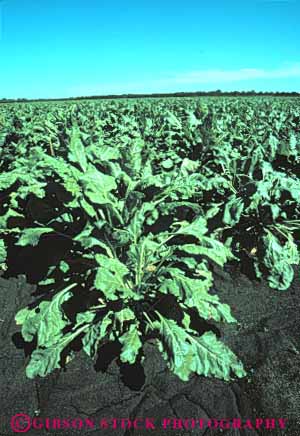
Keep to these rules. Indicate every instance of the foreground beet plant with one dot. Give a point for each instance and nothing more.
(136, 239)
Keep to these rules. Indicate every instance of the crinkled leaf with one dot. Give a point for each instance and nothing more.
(186, 353)
(210, 248)
(197, 228)
(279, 259)
(194, 293)
(110, 278)
(76, 149)
(95, 333)
(131, 344)
(97, 186)
(45, 360)
(47, 320)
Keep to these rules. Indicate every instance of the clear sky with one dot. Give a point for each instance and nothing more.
(63, 48)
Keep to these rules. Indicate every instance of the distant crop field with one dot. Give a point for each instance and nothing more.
(127, 207)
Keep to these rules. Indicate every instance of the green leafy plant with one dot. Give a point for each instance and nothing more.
(140, 241)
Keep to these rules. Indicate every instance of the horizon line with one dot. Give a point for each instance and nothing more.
(217, 92)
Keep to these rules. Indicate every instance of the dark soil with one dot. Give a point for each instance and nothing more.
(267, 341)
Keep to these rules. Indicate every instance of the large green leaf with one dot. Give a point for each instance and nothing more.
(131, 344)
(77, 152)
(45, 360)
(95, 333)
(47, 320)
(111, 278)
(210, 248)
(279, 259)
(197, 228)
(194, 293)
(187, 353)
(97, 186)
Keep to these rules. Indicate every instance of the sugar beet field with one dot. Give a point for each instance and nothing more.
(151, 244)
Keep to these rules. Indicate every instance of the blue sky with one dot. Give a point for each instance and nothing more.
(70, 48)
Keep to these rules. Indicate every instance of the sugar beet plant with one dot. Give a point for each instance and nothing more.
(135, 237)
